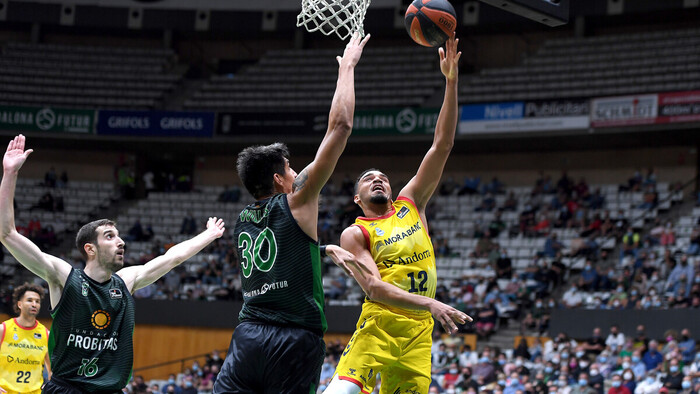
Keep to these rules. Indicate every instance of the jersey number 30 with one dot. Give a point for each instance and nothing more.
(253, 251)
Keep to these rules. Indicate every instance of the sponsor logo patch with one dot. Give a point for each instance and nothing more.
(402, 212)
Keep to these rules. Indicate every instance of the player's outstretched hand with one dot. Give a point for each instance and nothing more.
(344, 259)
(448, 316)
(353, 51)
(449, 58)
(15, 155)
(216, 227)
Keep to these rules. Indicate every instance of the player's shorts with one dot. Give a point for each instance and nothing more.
(271, 359)
(60, 386)
(393, 344)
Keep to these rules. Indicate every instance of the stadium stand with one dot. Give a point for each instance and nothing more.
(85, 76)
(305, 79)
(594, 66)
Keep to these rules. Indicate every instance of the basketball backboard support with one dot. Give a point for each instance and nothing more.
(549, 12)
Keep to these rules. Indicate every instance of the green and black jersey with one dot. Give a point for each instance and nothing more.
(91, 338)
(280, 267)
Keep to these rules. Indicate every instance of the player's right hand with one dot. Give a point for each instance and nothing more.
(448, 316)
(353, 51)
(15, 155)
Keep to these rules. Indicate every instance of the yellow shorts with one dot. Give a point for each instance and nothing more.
(390, 343)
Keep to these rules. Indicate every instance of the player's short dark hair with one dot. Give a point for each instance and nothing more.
(357, 181)
(19, 291)
(257, 166)
(88, 234)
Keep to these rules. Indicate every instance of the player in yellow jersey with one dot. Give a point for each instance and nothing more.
(24, 344)
(391, 243)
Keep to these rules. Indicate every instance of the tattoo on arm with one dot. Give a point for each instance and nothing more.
(300, 180)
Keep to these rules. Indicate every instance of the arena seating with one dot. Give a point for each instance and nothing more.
(85, 76)
(305, 79)
(81, 199)
(592, 67)
(455, 219)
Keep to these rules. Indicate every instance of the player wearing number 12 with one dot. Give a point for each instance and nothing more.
(278, 346)
(393, 334)
(90, 343)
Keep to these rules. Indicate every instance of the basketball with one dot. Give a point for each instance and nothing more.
(430, 22)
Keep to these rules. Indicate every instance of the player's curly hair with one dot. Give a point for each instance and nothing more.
(19, 291)
(257, 166)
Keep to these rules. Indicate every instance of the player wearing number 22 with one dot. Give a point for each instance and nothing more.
(90, 342)
(393, 334)
(24, 344)
(278, 346)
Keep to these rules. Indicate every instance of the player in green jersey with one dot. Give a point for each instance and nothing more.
(278, 347)
(90, 343)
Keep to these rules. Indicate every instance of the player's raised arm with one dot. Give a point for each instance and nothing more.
(421, 187)
(140, 276)
(367, 276)
(311, 179)
(52, 269)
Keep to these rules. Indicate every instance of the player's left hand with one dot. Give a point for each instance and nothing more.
(344, 259)
(216, 227)
(449, 58)
(448, 316)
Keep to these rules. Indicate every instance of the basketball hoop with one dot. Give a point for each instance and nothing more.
(342, 17)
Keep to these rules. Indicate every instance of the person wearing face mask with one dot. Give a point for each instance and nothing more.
(649, 385)
(616, 339)
(687, 346)
(465, 381)
(617, 387)
(674, 378)
(583, 385)
(638, 367)
(187, 386)
(595, 379)
(452, 375)
(171, 382)
(484, 370)
(687, 386)
(629, 380)
(513, 384)
(652, 358)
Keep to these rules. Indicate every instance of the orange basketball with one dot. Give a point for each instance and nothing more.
(430, 22)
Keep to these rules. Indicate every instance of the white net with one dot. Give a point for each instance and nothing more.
(342, 17)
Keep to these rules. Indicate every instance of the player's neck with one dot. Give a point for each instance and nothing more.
(97, 272)
(26, 321)
(377, 210)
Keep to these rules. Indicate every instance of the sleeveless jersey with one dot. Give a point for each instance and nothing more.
(280, 267)
(402, 249)
(91, 340)
(22, 354)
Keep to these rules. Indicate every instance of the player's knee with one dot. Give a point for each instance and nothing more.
(338, 386)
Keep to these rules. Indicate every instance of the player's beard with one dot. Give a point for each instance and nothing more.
(379, 199)
(113, 264)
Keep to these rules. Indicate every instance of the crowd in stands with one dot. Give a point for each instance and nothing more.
(605, 363)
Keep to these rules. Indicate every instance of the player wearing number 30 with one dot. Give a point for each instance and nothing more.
(393, 334)
(24, 344)
(90, 342)
(278, 347)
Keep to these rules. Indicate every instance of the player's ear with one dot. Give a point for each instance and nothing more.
(90, 249)
(356, 198)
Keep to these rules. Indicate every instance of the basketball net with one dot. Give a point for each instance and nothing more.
(342, 17)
